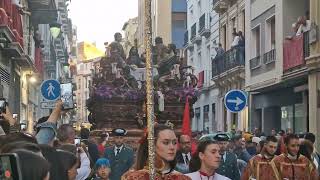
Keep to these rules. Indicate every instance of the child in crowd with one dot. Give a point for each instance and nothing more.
(102, 169)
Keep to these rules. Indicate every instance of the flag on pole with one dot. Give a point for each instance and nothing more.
(186, 129)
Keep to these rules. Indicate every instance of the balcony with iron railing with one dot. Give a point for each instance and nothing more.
(295, 51)
(195, 38)
(193, 32)
(232, 59)
(255, 62)
(269, 57)
(204, 25)
(186, 43)
(10, 21)
(185, 39)
(220, 6)
(264, 60)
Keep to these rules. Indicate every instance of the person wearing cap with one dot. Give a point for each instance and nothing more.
(259, 167)
(102, 169)
(240, 148)
(252, 144)
(120, 155)
(228, 165)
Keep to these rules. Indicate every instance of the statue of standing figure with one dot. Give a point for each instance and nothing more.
(116, 50)
(160, 51)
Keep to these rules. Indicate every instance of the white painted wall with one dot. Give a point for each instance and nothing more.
(195, 10)
(82, 94)
(286, 13)
(253, 11)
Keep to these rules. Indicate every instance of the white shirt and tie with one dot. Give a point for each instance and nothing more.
(117, 150)
(186, 158)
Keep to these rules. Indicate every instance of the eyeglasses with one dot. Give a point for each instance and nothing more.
(185, 142)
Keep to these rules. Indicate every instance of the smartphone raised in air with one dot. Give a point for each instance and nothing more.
(10, 167)
(3, 104)
(77, 141)
(67, 96)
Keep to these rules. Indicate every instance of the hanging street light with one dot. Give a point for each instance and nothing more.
(55, 29)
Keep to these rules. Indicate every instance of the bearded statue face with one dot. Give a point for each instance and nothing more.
(118, 37)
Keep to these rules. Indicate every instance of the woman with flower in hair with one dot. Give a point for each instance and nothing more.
(165, 152)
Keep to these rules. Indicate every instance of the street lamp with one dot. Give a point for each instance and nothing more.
(55, 29)
(32, 80)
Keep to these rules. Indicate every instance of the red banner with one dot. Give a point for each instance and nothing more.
(293, 53)
(17, 24)
(200, 79)
(5, 13)
(38, 60)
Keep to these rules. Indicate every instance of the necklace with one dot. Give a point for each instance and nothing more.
(206, 175)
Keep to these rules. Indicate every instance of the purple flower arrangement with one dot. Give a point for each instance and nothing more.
(106, 92)
(179, 94)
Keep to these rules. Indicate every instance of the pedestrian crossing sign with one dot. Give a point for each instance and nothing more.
(50, 90)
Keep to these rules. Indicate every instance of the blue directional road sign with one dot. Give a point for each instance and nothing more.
(50, 90)
(235, 100)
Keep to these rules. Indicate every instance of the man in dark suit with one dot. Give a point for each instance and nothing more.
(120, 155)
(183, 156)
(228, 166)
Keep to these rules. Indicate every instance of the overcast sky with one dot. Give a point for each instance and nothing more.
(98, 20)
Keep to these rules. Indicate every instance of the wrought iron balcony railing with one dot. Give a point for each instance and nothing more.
(220, 6)
(232, 58)
(269, 57)
(193, 31)
(186, 39)
(11, 17)
(255, 62)
(204, 25)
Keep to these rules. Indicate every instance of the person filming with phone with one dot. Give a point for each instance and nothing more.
(6, 117)
(67, 137)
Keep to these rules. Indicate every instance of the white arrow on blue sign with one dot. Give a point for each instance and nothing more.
(50, 89)
(235, 100)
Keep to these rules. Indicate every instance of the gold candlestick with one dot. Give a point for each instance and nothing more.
(149, 87)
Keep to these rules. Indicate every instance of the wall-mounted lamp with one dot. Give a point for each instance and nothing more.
(32, 78)
(55, 29)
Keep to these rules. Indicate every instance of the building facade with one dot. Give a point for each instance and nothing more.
(281, 65)
(313, 64)
(26, 54)
(83, 82)
(169, 21)
(83, 79)
(130, 34)
(202, 31)
(228, 70)
(279, 96)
